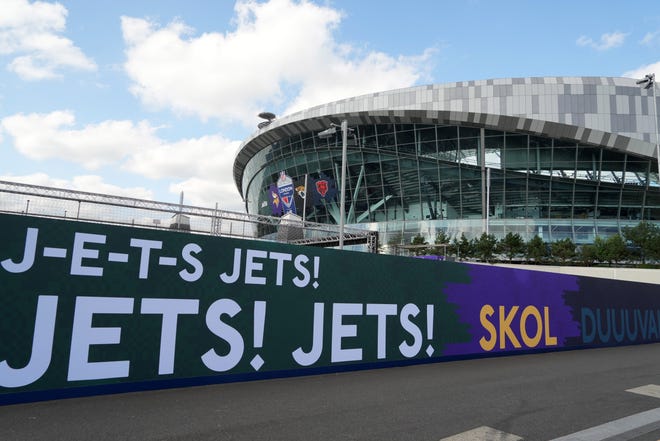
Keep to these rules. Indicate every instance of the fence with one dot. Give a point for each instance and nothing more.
(108, 209)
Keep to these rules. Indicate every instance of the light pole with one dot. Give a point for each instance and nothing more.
(342, 187)
(487, 199)
(649, 83)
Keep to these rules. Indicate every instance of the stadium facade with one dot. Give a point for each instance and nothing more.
(556, 157)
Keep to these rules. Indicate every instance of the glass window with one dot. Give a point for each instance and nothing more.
(612, 161)
(494, 150)
(652, 211)
(471, 193)
(632, 197)
(538, 197)
(469, 132)
(588, 159)
(425, 133)
(296, 144)
(637, 165)
(584, 199)
(426, 141)
(563, 161)
(516, 190)
(406, 141)
(516, 145)
(562, 199)
(308, 143)
(540, 155)
(447, 132)
(448, 150)
(469, 151)
(608, 196)
(386, 139)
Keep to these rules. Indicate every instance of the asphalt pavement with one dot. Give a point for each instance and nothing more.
(531, 397)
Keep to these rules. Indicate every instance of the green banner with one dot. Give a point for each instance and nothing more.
(91, 308)
(84, 305)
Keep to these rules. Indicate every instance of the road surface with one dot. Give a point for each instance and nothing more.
(564, 395)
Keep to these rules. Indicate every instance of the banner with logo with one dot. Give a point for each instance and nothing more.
(286, 192)
(90, 308)
(324, 190)
(274, 201)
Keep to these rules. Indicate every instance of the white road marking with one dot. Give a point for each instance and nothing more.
(650, 390)
(649, 420)
(639, 423)
(483, 433)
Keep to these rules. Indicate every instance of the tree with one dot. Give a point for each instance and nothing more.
(441, 239)
(588, 255)
(512, 245)
(419, 240)
(610, 250)
(462, 246)
(600, 249)
(393, 241)
(536, 250)
(563, 250)
(643, 236)
(485, 246)
(653, 248)
(614, 249)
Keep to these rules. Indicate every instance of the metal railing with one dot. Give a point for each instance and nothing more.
(67, 204)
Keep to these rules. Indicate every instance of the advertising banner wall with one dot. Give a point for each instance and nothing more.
(91, 308)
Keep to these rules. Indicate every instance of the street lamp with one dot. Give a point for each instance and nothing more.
(331, 131)
(648, 82)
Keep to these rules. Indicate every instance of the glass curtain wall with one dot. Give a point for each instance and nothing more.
(421, 172)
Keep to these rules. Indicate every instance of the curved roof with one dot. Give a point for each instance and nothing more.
(605, 111)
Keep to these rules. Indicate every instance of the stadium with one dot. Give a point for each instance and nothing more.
(555, 157)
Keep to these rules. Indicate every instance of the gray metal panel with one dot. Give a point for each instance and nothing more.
(547, 104)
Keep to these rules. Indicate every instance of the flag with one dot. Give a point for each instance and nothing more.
(323, 189)
(286, 192)
(274, 200)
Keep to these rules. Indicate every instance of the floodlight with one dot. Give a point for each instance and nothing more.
(327, 133)
(647, 81)
(267, 115)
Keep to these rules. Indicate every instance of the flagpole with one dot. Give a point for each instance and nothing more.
(304, 202)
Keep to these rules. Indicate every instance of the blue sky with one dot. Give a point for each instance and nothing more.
(153, 97)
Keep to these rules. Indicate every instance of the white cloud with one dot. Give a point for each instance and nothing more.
(208, 156)
(207, 192)
(47, 136)
(202, 167)
(29, 32)
(607, 41)
(345, 78)
(88, 183)
(276, 46)
(643, 70)
(204, 164)
(651, 38)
